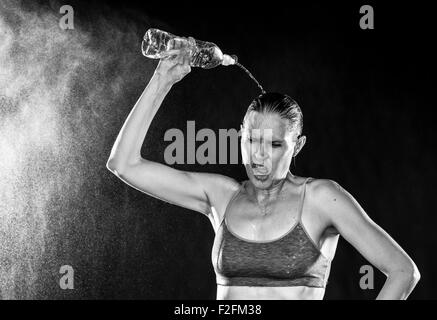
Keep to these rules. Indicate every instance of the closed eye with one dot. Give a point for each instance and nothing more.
(275, 145)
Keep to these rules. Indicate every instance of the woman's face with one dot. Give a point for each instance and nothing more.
(267, 148)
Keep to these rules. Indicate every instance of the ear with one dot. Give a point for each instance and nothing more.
(299, 145)
(240, 133)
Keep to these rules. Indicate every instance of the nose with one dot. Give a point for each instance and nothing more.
(260, 153)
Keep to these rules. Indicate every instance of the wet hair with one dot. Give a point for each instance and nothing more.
(281, 104)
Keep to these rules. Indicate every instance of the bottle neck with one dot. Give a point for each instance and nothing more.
(228, 60)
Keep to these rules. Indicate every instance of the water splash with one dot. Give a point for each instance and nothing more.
(251, 76)
(56, 86)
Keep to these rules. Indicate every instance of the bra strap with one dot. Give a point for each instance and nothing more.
(302, 198)
(232, 200)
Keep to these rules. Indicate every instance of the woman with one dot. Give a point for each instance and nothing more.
(276, 233)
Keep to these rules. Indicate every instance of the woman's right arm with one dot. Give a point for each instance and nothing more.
(193, 190)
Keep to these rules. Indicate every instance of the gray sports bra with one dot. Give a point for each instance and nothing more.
(290, 260)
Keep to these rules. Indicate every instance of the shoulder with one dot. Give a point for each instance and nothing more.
(324, 189)
(328, 196)
(334, 202)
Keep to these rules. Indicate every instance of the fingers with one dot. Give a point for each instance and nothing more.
(191, 41)
(172, 52)
(178, 50)
(179, 56)
(177, 43)
(186, 57)
(178, 53)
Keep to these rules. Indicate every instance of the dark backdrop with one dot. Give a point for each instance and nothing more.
(366, 100)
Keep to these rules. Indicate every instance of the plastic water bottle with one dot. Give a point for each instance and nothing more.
(203, 54)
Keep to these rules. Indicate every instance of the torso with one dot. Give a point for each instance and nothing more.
(281, 217)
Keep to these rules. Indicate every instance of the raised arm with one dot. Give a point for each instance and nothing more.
(127, 146)
(195, 191)
(376, 245)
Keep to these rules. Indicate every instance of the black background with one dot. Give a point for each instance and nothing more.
(367, 100)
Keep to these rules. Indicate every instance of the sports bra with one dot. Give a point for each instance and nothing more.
(290, 260)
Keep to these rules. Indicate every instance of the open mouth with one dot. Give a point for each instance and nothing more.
(261, 177)
(259, 171)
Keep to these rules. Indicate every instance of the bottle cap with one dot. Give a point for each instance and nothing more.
(228, 60)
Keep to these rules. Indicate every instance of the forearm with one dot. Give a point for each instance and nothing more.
(398, 286)
(127, 146)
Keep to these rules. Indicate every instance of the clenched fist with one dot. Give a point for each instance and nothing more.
(176, 63)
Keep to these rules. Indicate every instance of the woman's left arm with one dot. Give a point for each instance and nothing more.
(376, 245)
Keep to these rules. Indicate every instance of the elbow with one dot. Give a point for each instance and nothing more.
(415, 274)
(119, 167)
(114, 166)
(410, 273)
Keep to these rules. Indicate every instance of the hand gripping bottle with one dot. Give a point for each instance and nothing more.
(204, 54)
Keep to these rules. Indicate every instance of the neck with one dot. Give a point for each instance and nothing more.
(264, 196)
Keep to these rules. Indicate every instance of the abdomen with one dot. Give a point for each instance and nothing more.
(269, 293)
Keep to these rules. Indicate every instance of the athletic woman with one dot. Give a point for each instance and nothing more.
(275, 233)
